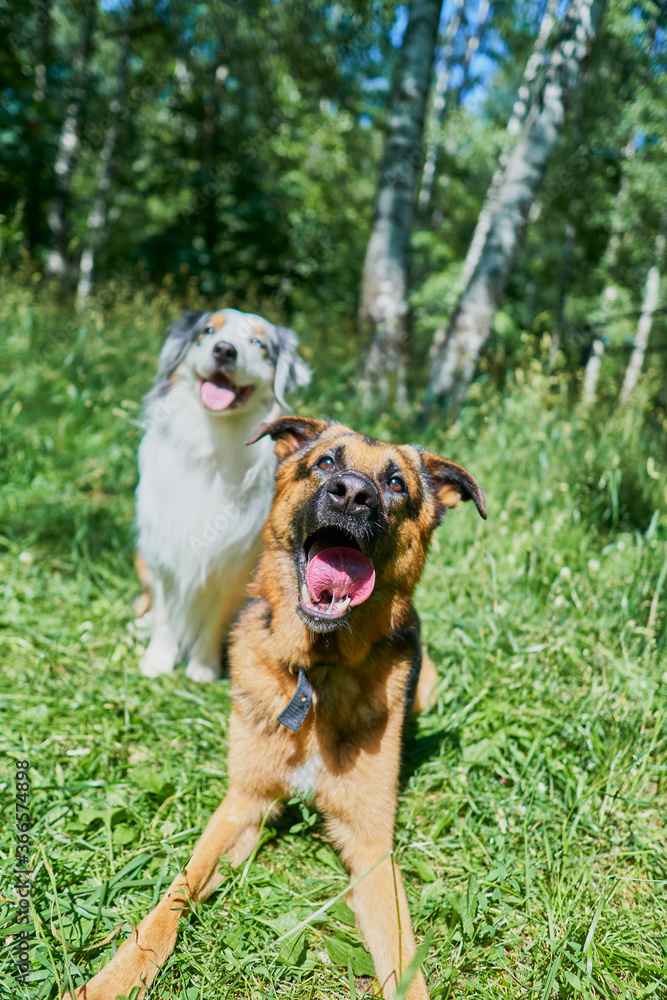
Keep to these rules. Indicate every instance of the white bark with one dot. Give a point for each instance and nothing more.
(97, 218)
(98, 215)
(472, 47)
(69, 145)
(210, 152)
(45, 22)
(517, 119)
(384, 296)
(442, 77)
(569, 244)
(68, 148)
(511, 203)
(649, 306)
(594, 363)
(592, 373)
(566, 268)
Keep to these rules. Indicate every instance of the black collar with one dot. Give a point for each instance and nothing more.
(299, 705)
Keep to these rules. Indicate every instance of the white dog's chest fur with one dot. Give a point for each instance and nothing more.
(192, 510)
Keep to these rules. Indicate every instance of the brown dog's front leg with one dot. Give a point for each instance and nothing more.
(233, 829)
(380, 904)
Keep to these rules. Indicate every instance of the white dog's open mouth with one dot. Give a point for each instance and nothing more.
(218, 392)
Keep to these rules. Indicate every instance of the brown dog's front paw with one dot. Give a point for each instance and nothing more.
(133, 965)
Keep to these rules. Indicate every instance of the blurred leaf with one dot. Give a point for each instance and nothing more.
(342, 951)
(153, 783)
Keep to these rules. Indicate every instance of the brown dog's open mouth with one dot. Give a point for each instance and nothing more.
(218, 392)
(337, 575)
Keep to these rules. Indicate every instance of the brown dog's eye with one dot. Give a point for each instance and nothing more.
(397, 485)
(325, 463)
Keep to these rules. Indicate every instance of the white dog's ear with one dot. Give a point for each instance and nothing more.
(179, 337)
(291, 370)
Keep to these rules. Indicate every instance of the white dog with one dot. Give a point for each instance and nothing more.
(203, 496)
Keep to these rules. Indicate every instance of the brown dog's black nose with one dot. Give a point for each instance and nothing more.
(352, 493)
(223, 352)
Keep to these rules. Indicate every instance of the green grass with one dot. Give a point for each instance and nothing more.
(531, 826)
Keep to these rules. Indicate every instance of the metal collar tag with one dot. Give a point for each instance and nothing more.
(298, 707)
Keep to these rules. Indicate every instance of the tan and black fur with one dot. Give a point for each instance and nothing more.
(347, 750)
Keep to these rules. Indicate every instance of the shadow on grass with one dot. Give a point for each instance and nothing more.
(418, 748)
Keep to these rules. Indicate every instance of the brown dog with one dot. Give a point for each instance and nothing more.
(325, 662)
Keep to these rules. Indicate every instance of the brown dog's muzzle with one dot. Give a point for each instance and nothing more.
(352, 493)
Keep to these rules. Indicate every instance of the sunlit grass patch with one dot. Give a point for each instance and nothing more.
(531, 821)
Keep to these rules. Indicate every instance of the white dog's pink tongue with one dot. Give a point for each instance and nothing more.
(343, 572)
(216, 397)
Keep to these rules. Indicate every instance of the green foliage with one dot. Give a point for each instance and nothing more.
(614, 132)
(531, 821)
(248, 150)
(239, 137)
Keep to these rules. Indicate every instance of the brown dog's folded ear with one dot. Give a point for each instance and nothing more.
(289, 433)
(452, 483)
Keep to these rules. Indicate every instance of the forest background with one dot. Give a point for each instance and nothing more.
(461, 210)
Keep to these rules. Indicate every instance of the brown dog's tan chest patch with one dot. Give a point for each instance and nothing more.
(351, 705)
(351, 709)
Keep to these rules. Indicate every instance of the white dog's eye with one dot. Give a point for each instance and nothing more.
(257, 342)
(210, 329)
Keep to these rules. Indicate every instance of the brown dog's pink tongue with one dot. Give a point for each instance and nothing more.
(216, 397)
(343, 572)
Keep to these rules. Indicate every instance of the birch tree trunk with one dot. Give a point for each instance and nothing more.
(384, 294)
(98, 215)
(515, 194)
(472, 48)
(594, 363)
(69, 144)
(438, 105)
(45, 21)
(441, 102)
(38, 161)
(565, 272)
(569, 244)
(516, 121)
(645, 322)
(212, 103)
